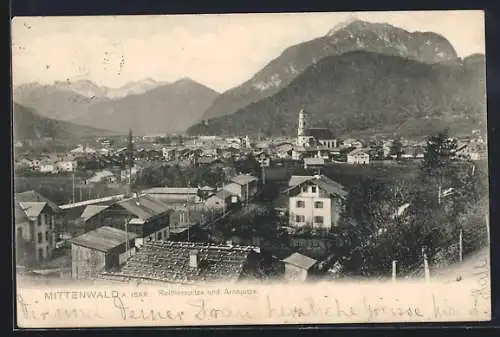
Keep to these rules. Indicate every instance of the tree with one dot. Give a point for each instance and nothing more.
(397, 148)
(439, 152)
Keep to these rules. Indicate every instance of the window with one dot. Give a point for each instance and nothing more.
(159, 236)
(39, 220)
(300, 218)
(40, 237)
(318, 219)
(304, 189)
(40, 254)
(46, 218)
(313, 189)
(318, 204)
(300, 204)
(19, 232)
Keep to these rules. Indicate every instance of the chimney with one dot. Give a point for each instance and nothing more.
(193, 258)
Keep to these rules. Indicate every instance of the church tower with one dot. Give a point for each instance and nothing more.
(301, 131)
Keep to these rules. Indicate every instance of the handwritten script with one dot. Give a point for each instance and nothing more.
(115, 307)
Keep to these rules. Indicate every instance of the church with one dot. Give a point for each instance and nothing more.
(312, 142)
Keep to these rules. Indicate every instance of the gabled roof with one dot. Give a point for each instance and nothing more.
(300, 261)
(92, 210)
(103, 238)
(222, 194)
(319, 133)
(243, 179)
(296, 180)
(144, 206)
(359, 151)
(323, 182)
(232, 188)
(33, 209)
(168, 261)
(19, 214)
(33, 196)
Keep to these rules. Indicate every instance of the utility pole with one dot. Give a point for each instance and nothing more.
(127, 248)
(394, 270)
(73, 185)
(439, 194)
(426, 266)
(460, 246)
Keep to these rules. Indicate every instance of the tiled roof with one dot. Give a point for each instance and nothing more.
(171, 190)
(243, 179)
(300, 261)
(168, 261)
(144, 206)
(103, 238)
(92, 210)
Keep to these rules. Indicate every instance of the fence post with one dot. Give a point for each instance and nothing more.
(426, 268)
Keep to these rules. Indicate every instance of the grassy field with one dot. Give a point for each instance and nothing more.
(60, 188)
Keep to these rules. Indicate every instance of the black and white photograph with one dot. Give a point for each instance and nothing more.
(228, 169)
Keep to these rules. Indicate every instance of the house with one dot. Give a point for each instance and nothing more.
(196, 263)
(105, 177)
(175, 194)
(263, 158)
(143, 215)
(206, 161)
(471, 151)
(207, 191)
(283, 150)
(221, 200)
(298, 267)
(314, 163)
(81, 149)
(102, 249)
(47, 168)
(36, 227)
(352, 143)
(249, 186)
(128, 173)
(92, 216)
(67, 165)
(358, 156)
(315, 202)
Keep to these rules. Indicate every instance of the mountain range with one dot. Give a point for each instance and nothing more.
(354, 35)
(146, 106)
(168, 108)
(29, 125)
(368, 92)
(360, 77)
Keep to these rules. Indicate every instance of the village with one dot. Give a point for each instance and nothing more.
(181, 209)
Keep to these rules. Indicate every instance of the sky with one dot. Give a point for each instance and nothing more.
(220, 51)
